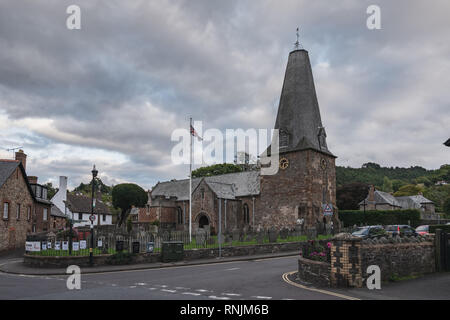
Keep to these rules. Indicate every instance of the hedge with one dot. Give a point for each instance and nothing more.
(379, 217)
(443, 227)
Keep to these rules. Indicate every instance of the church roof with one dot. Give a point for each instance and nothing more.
(298, 117)
(226, 186)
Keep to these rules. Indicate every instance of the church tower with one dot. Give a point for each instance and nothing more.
(306, 179)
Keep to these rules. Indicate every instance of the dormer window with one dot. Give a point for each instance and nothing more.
(284, 138)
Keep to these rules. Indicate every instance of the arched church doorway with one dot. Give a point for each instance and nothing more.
(203, 221)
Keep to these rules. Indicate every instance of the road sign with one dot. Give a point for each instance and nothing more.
(92, 218)
(327, 209)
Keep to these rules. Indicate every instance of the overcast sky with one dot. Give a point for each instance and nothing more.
(113, 92)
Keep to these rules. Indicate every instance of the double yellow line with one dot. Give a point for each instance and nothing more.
(286, 279)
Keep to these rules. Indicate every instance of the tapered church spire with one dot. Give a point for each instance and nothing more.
(298, 119)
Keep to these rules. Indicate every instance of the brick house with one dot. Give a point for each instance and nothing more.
(249, 200)
(17, 204)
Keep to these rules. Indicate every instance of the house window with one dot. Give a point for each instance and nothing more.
(39, 191)
(246, 214)
(5, 210)
(28, 213)
(18, 211)
(104, 217)
(44, 216)
(34, 228)
(80, 216)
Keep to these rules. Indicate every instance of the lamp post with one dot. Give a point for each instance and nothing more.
(92, 217)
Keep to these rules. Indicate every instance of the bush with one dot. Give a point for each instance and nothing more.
(443, 227)
(379, 217)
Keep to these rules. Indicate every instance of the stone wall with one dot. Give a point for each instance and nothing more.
(194, 254)
(396, 257)
(297, 192)
(314, 272)
(13, 231)
(413, 256)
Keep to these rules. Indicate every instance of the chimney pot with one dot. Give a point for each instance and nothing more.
(22, 157)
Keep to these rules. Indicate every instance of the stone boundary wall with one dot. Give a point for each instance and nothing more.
(350, 257)
(400, 259)
(314, 272)
(194, 254)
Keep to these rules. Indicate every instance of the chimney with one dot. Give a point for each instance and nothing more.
(63, 187)
(371, 196)
(32, 179)
(22, 157)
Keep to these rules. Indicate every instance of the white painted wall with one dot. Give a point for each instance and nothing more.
(87, 222)
(61, 196)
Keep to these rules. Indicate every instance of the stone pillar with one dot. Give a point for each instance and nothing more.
(346, 261)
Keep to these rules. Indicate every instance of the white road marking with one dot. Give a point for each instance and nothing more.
(202, 290)
(161, 285)
(262, 297)
(192, 293)
(232, 294)
(140, 284)
(151, 288)
(231, 269)
(219, 298)
(132, 287)
(182, 288)
(167, 290)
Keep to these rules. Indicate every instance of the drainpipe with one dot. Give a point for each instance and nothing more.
(220, 228)
(225, 222)
(253, 212)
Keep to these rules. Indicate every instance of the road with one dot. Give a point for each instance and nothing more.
(241, 280)
(246, 280)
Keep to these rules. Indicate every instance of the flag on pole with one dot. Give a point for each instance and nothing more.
(195, 134)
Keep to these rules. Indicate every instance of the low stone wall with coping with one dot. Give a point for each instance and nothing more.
(314, 272)
(350, 256)
(194, 254)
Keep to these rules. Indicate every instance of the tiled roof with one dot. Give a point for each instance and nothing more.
(228, 186)
(82, 204)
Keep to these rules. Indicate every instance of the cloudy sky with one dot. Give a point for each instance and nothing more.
(113, 92)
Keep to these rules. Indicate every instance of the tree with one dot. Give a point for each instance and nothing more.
(216, 169)
(408, 190)
(387, 185)
(446, 207)
(350, 195)
(127, 195)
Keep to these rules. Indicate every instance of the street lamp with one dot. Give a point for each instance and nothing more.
(92, 217)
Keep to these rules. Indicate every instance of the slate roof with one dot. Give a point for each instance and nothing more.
(57, 213)
(298, 111)
(406, 202)
(82, 204)
(7, 168)
(226, 186)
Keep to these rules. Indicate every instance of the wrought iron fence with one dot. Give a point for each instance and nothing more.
(151, 242)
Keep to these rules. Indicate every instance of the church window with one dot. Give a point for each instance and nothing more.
(246, 214)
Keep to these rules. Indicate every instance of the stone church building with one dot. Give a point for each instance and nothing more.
(305, 182)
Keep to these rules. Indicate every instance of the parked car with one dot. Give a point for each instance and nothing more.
(401, 229)
(369, 232)
(422, 230)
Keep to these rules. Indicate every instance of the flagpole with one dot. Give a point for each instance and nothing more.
(190, 182)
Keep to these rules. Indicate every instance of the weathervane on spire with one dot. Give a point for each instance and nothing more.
(297, 43)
